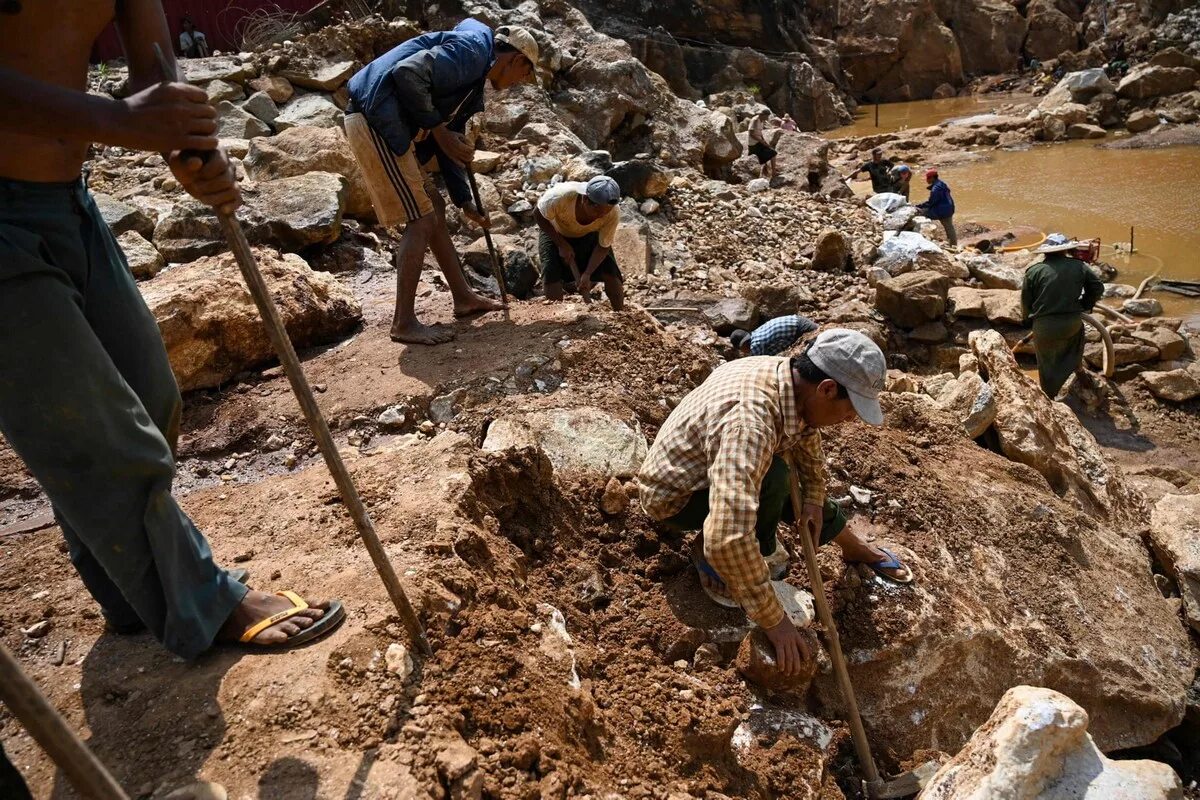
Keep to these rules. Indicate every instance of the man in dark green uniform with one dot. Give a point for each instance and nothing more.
(880, 170)
(1056, 292)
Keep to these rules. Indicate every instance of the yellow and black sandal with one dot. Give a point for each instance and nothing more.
(333, 616)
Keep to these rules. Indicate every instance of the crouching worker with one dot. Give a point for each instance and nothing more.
(578, 223)
(409, 107)
(717, 465)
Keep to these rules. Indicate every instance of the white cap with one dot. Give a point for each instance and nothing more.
(855, 362)
(520, 39)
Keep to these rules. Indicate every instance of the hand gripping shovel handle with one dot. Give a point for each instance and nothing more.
(497, 272)
(236, 239)
(861, 746)
(27, 703)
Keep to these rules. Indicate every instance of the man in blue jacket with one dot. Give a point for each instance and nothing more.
(409, 107)
(940, 205)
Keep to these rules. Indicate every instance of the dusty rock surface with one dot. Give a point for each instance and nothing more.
(1036, 745)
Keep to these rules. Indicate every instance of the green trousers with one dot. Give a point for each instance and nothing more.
(89, 402)
(1058, 342)
(774, 506)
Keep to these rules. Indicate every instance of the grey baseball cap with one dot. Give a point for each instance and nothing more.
(855, 362)
(603, 190)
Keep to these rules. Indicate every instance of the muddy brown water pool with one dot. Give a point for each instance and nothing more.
(1076, 188)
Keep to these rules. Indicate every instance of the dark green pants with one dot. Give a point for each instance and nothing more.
(12, 785)
(774, 506)
(555, 270)
(88, 400)
(1058, 341)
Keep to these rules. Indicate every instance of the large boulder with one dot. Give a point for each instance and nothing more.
(1036, 746)
(1050, 31)
(913, 298)
(907, 251)
(1077, 87)
(1035, 431)
(212, 328)
(899, 50)
(279, 89)
(300, 150)
(832, 251)
(1175, 536)
(201, 71)
(1142, 120)
(991, 273)
(311, 110)
(1176, 385)
(324, 76)
(288, 213)
(1147, 81)
(990, 34)
(640, 178)
(1014, 585)
(994, 305)
(1083, 130)
(262, 106)
(729, 314)
(1170, 344)
(577, 440)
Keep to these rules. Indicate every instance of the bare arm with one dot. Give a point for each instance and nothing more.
(141, 24)
(599, 253)
(43, 109)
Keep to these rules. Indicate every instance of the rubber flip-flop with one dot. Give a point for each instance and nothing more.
(239, 575)
(333, 616)
(891, 562)
(704, 568)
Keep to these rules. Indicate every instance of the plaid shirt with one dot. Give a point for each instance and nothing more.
(723, 436)
(774, 336)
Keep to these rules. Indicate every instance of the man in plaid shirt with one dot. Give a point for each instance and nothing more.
(716, 464)
(772, 337)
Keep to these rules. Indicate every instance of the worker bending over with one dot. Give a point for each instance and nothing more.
(1055, 294)
(578, 223)
(409, 107)
(717, 465)
(772, 337)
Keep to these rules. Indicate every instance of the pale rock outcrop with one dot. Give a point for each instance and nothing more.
(1175, 536)
(300, 150)
(1147, 81)
(1036, 746)
(212, 329)
(994, 305)
(576, 440)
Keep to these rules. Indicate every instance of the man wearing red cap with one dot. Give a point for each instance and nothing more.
(940, 205)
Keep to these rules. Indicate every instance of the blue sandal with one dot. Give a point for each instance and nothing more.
(891, 562)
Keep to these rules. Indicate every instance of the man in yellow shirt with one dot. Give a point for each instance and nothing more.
(716, 464)
(578, 222)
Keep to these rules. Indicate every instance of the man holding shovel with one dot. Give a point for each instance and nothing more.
(87, 396)
(719, 464)
(409, 107)
(578, 223)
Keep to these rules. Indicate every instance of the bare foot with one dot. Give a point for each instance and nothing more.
(416, 333)
(477, 305)
(257, 606)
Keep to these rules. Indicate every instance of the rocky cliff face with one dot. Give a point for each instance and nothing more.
(891, 50)
(710, 47)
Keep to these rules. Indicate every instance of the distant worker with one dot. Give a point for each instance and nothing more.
(772, 337)
(192, 43)
(1054, 295)
(940, 205)
(879, 169)
(411, 106)
(760, 148)
(901, 177)
(717, 466)
(578, 223)
(789, 124)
